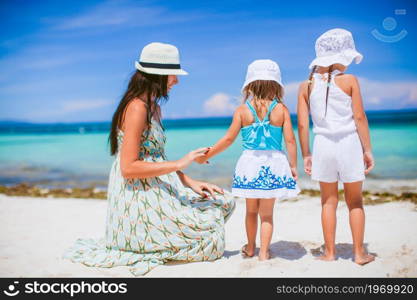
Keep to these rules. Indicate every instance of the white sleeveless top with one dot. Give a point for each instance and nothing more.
(339, 117)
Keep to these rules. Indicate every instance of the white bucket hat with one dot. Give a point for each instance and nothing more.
(263, 69)
(159, 58)
(335, 46)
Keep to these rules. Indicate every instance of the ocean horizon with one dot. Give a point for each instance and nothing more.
(21, 126)
(77, 154)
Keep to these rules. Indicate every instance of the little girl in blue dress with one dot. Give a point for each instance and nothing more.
(263, 172)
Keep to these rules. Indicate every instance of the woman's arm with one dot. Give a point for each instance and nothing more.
(290, 142)
(361, 122)
(227, 139)
(303, 126)
(131, 166)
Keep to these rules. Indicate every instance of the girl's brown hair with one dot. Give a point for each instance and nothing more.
(263, 89)
(150, 88)
(310, 81)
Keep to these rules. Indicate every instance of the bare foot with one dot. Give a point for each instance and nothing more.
(363, 259)
(265, 256)
(326, 257)
(247, 251)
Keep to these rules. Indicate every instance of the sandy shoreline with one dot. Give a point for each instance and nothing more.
(36, 231)
(376, 191)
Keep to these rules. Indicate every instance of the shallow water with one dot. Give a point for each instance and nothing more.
(81, 156)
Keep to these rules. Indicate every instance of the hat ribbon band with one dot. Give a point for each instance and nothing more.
(160, 66)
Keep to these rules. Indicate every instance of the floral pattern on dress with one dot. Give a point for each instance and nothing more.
(264, 181)
(154, 220)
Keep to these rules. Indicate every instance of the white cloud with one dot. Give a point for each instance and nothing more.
(46, 63)
(290, 95)
(220, 104)
(64, 109)
(377, 92)
(38, 57)
(108, 14)
(120, 13)
(75, 106)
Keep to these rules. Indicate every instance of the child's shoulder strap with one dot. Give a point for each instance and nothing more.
(271, 107)
(252, 110)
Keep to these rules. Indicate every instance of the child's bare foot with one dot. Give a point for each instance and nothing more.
(247, 251)
(327, 257)
(264, 256)
(364, 258)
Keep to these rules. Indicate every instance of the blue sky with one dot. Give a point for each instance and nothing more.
(70, 61)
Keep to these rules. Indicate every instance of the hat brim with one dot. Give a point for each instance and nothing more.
(345, 58)
(261, 78)
(159, 71)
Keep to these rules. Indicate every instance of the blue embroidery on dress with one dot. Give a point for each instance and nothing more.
(265, 181)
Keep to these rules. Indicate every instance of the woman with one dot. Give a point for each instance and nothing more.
(156, 213)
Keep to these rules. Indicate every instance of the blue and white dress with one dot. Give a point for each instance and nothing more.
(262, 170)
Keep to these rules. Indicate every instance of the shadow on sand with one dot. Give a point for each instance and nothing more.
(287, 250)
(343, 251)
(283, 249)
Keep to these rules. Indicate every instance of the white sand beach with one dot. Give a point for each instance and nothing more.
(36, 231)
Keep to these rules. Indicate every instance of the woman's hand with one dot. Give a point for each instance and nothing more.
(190, 157)
(202, 188)
(307, 164)
(369, 161)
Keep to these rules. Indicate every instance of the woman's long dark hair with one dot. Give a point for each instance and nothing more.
(150, 88)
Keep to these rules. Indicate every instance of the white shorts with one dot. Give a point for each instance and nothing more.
(338, 158)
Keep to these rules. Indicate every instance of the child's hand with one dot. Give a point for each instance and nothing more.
(294, 173)
(307, 165)
(201, 160)
(369, 161)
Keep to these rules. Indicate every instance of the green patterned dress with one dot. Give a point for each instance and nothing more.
(155, 220)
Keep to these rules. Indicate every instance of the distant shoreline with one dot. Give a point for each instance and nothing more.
(403, 116)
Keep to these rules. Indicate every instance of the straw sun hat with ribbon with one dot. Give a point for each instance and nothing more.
(159, 58)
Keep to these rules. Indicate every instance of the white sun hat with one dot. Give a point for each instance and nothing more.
(159, 58)
(263, 69)
(335, 46)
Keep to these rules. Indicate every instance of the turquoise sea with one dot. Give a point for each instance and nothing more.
(78, 154)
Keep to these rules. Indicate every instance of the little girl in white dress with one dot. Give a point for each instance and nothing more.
(263, 172)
